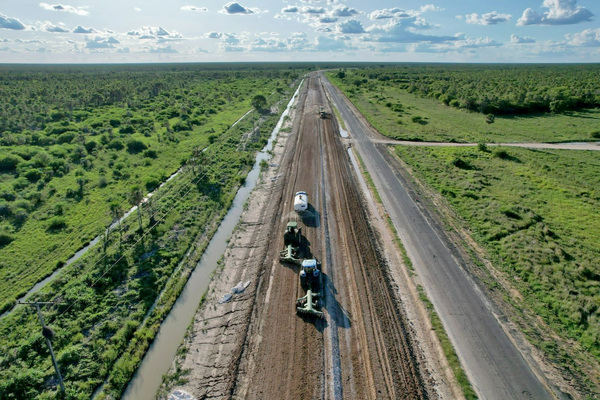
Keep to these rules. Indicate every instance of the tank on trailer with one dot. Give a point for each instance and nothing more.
(300, 202)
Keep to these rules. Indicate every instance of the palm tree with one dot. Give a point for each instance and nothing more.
(116, 212)
(136, 195)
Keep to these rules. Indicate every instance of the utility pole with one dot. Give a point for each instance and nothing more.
(47, 333)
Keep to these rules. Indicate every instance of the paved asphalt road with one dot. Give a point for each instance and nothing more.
(493, 364)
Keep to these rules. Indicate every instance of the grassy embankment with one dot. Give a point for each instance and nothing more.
(533, 212)
(98, 331)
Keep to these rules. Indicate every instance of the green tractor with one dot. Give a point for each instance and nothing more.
(292, 239)
(310, 279)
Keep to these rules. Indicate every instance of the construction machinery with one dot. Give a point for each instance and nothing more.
(310, 279)
(292, 239)
(322, 113)
(300, 202)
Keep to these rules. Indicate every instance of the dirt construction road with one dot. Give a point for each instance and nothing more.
(359, 349)
(257, 347)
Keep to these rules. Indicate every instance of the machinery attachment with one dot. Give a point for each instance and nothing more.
(309, 304)
(292, 239)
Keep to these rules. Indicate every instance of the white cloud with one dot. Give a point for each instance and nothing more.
(214, 35)
(10, 23)
(194, 8)
(290, 9)
(136, 9)
(401, 31)
(491, 18)
(389, 13)
(328, 43)
(154, 32)
(99, 42)
(328, 20)
(81, 29)
(68, 9)
(312, 10)
(163, 50)
(49, 27)
(295, 42)
(561, 12)
(237, 8)
(521, 40)
(352, 26)
(587, 38)
(430, 8)
(344, 11)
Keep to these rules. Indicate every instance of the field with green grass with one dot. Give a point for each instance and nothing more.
(536, 214)
(84, 146)
(410, 102)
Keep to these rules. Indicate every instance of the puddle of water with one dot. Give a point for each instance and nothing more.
(159, 356)
(344, 133)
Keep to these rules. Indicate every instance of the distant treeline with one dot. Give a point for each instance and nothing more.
(493, 89)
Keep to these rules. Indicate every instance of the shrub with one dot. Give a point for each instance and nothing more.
(9, 163)
(502, 154)
(116, 144)
(595, 135)
(57, 224)
(126, 129)
(33, 175)
(5, 239)
(135, 146)
(150, 154)
(152, 183)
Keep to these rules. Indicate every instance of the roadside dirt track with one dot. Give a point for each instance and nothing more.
(256, 347)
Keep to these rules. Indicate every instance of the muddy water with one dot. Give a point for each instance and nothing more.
(157, 360)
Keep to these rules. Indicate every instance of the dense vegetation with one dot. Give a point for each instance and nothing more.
(493, 103)
(494, 89)
(74, 142)
(94, 161)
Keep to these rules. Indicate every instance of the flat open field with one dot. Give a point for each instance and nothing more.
(398, 111)
(535, 213)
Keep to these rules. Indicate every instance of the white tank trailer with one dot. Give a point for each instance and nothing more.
(300, 202)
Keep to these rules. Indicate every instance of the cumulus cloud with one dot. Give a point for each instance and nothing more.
(214, 35)
(49, 27)
(194, 8)
(295, 42)
(10, 23)
(328, 20)
(81, 29)
(344, 11)
(99, 42)
(389, 13)
(521, 40)
(352, 26)
(560, 12)
(162, 50)
(401, 31)
(587, 38)
(290, 9)
(328, 43)
(154, 32)
(237, 8)
(430, 8)
(491, 18)
(68, 9)
(312, 10)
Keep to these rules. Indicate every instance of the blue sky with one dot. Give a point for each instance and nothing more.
(82, 31)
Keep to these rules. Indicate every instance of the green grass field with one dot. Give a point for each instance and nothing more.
(398, 114)
(536, 213)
